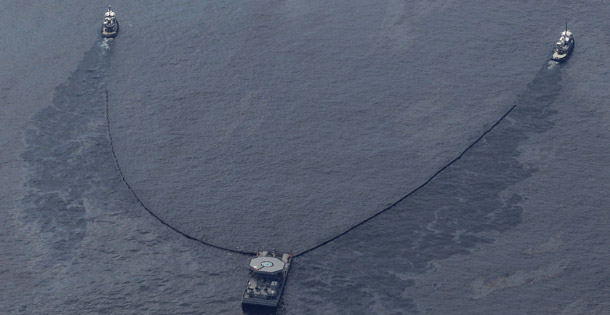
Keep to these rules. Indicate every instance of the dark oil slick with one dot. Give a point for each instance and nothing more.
(280, 124)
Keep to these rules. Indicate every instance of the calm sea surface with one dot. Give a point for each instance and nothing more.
(282, 124)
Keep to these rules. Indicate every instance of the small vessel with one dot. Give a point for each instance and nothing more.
(267, 279)
(110, 27)
(564, 46)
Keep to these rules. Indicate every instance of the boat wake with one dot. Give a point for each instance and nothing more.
(552, 65)
(105, 45)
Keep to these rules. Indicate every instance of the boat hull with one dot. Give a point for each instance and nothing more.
(264, 283)
(254, 302)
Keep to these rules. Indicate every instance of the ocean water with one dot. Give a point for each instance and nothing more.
(481, 167)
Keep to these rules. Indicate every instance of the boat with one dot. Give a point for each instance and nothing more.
(110, 27)
(267, 279)
(564, 46)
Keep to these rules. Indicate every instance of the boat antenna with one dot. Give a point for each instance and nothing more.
(566, 27)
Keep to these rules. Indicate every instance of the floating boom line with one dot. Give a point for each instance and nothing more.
(337, 236)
